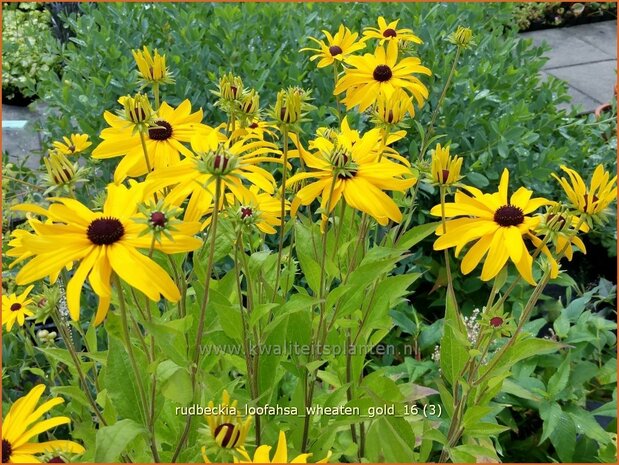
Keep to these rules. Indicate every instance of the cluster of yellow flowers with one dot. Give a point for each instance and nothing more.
(172, 164)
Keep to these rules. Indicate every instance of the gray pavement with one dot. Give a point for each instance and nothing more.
(585, 57)
(21, 142)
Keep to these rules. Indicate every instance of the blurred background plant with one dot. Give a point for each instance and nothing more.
(28, 50)
(541, 15)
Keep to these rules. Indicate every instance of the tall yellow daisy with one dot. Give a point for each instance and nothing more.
(262, 454)
(370, 75)
(22, 424)
(102, 242)
(77, 143)
(496, 222)
(152, 67)
(445, 169)
(15, 308)
(229, 430)
(232, 161)
(337, 47)
(390, 32)
(594, 199)
(350, 168)
(164, 140)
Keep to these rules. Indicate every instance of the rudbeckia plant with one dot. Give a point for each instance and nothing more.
(227, 295)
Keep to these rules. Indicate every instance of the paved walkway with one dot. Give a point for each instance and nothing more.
(585, 57)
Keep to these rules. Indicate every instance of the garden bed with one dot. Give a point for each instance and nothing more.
(316, 244)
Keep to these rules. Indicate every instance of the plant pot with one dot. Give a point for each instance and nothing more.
(607, 107)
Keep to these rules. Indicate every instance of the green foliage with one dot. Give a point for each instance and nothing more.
(28, 49)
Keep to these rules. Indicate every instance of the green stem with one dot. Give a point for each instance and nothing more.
(207, 282)
(156, 94)
(282, 212)
(145, 151)
(134, 365)
(309, 380)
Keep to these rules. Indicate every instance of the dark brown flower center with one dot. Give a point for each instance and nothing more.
(161, 131)
(246, 212)
(348, 173)
(66, 176)
(284, 115)
(71, 148)
(158, 219)
(335, 50)
(16, 306)
(382, 73)
(7, 450)
(230, 436)
(590, 200)
(253, 125)
(390, 33)
(509, 215)
(496, 321)
(445, 176)
(220, 162)
(55, 460)
(105, 231)
(559, 222)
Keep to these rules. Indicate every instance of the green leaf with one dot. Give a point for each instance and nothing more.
(563, 437)
(486, 429)
(454, 345)
(391, 440)
(517, 390)
(113, 440)
(587, 425)
(550, 413)
(175, 382)
(170, 337)
(474, 414)
(415, 235)
(558, 381)
(120, 381)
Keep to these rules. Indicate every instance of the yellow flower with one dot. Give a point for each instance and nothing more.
(171, 127)
(593, 200)
(15, 308)
(371, 75)
(137, 112)
(462, 37)
(392, 110)
(389, 32)
(75, 144)
(291, 106)
(262, 454)
(261, 210)
(18, 429)
(337, 47)
(152, 68)
(498, 224)
(229, 430)
(103, 243)
(230, 160)
(561, 227)
(255, 128)
(59, 169)
(445, 169)
(349, 167)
